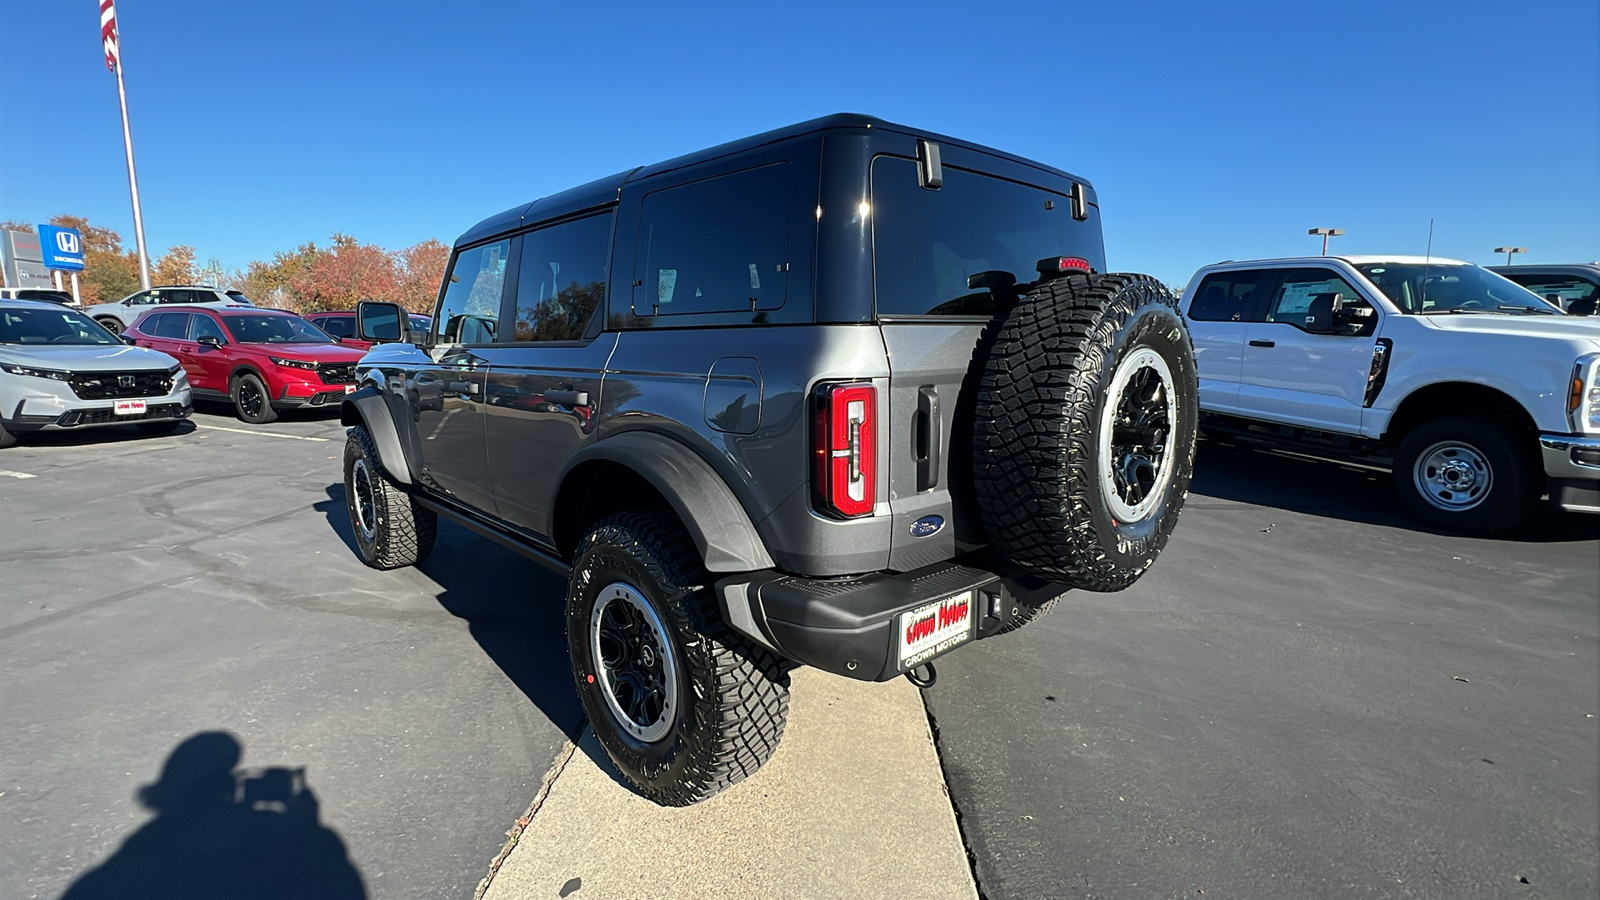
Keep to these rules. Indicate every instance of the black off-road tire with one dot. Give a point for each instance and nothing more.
(732, 700)
(1512, 488)
(399, 531)
(1041, 411)
(242, 384)
(7, 439)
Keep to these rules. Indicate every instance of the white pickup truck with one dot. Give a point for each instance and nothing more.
(1481, 397)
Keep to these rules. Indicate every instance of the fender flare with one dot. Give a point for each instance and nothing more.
(716, 522)
(366, 407)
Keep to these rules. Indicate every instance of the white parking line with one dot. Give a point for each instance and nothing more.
(10, 474)
(292, 437)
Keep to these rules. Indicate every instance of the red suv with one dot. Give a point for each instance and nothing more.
(261, 360)
(342, 325)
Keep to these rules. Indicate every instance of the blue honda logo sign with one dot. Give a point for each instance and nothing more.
(62, 248)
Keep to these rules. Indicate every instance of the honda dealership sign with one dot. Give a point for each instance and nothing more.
(62, 248)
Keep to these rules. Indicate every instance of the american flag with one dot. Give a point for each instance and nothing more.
(108, 33)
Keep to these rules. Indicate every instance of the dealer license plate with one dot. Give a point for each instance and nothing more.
(129, 408)
(349, 389)
(928, 631)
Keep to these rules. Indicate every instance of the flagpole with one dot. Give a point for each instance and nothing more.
(133, 179)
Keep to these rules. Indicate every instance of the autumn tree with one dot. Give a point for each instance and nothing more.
(176, 267)
(342, 275)
(421, 269)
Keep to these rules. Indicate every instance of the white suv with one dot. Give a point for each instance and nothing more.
(118, 316)
(1480, 395)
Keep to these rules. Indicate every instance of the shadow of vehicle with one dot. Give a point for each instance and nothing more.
(109, 434)
(514, 609)
(1264, 476)
(222, 831)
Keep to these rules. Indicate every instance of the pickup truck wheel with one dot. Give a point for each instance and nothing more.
(391, 529)
(251, 400)
(1465, 474)
(684, 707)
(1083, 439)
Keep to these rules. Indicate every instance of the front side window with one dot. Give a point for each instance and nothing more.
(1423, 289)
(143, 298)
(265, 329)
(1292, 300)
(205, 326)
(51, 326)
(469, 312)
(927, 244)
(1230, 296)
(173, 326)
(719, 245)
(562, 279)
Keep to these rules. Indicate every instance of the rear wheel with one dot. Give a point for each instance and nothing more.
(1466, 474)
(684, 707)
(1083, 440)
(392, 530)
(112, 325)
(251, 401)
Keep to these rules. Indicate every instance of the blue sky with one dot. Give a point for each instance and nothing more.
(1210, 131)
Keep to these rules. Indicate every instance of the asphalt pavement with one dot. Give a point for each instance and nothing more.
(1309, 695)
(173, 609)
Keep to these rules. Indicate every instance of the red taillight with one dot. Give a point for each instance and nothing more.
(845, 448)
(1072, 264)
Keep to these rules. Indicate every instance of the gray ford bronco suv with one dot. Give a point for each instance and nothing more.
(846, 395)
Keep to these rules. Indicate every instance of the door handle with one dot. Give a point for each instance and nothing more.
(1263, 343)
(567, 398)
(927, 437)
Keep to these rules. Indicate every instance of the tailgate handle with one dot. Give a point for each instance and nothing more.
(927, 437)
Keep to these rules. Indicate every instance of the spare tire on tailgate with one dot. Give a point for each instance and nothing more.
(1083, 438)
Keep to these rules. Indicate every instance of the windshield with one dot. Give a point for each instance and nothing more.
(51, 326)
(261, 329)
(1420, 289)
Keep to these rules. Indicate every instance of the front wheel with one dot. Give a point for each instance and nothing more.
(684, 707)
(392, 529)
(251, 401)
(1466, 474)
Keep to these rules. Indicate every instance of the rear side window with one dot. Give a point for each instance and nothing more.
(469, 312)
(719, 245)
(926, 244)
(1230, 296)
(562, 279)
(170, 325)
(338, 326)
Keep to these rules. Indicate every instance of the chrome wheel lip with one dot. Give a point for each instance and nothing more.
(1453, 476)
(660, 650)
(362, 501)
(1123, 509)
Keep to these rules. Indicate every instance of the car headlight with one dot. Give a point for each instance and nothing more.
(294, 363)
(1583, 398)
(51, 374)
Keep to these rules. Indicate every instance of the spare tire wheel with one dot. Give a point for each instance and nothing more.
(1083, 438)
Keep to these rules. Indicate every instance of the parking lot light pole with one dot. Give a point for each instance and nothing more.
(1510, 251)
(1326, 233)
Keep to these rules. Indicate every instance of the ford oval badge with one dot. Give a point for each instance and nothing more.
(927, 526)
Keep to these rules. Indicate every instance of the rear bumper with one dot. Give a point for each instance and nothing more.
(1573, 466)
(851, 626)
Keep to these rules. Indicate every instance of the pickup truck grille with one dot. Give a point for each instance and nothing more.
(120, 385)
(337, 373)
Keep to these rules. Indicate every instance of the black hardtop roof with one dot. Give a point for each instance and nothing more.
(606, 190)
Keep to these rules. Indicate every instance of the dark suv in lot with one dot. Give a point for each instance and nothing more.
(847, 395)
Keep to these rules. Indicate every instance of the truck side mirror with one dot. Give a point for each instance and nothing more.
(379, 322)
(1320, 314)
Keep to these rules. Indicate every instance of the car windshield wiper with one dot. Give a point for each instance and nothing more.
(1454, 312)
(1527, 311)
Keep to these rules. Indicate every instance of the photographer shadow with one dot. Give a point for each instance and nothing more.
(221, 831)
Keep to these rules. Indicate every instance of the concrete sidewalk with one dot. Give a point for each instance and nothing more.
(853, 804)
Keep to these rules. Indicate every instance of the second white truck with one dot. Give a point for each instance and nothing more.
(1482, 397)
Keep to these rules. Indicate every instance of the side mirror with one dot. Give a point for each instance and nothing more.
(1320, 314)
(380, 322)
(128, 339)
(209, 340)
